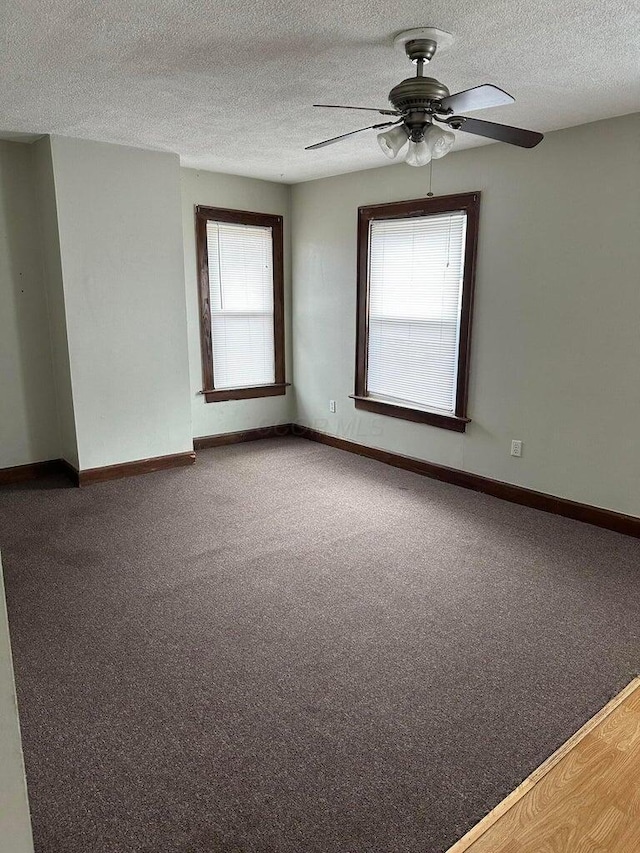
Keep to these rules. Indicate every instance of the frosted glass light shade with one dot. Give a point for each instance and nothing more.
(419, 154)
(440, 141)
(391, 141)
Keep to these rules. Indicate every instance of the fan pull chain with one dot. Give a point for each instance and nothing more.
(430, 194)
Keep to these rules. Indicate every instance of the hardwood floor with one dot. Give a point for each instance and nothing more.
(584, 799)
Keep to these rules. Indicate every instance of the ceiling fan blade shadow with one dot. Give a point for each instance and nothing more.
(501, 132)
(367, 109)
(351, 133)
(478, 98)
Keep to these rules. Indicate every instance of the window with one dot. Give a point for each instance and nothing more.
(241, 287)
(416, 263)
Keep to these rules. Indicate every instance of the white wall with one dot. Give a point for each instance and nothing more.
(556, 332)
(122, 269)
(15, 825)
(216, 190)
(28, 421)
(64, 419)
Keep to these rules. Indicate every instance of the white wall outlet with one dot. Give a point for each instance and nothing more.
(332, 406)
(516, 447)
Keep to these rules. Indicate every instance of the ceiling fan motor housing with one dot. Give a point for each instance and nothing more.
(416, 93)
(417, 98)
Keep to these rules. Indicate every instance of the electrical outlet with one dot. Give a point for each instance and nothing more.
(332, 406)
(516, 447)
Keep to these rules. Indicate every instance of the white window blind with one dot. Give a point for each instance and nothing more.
(416, 268)
(241, 299)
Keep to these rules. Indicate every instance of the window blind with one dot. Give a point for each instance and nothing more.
(241, 300)
(416, 268)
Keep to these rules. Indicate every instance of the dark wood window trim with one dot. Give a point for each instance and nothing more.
(470, 203)
(240, 217)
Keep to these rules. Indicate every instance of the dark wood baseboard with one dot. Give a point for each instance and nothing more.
(129, 469)
(69, 470)
(275, 431)
(39, 470)
(33, 471)
(628, 524)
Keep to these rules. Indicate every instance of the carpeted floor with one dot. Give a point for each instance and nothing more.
(290, 649)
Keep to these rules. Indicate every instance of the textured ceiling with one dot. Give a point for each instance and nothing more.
(229, 85)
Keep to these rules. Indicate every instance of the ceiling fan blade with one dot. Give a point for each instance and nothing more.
(478, 98)
(344, 135)
(501, 132)
(368, 109)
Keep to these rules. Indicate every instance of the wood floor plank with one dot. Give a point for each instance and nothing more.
(622, 729)
(634, 701)
(584, 799)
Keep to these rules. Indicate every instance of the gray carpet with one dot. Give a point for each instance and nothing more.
(290, 649)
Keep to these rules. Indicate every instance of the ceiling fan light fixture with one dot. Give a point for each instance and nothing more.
(419, 154)
(392, 141)
(440, 141)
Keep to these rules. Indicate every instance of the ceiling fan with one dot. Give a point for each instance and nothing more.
(418, 102)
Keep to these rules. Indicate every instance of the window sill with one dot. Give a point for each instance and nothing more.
(393, 410)
(218, 396)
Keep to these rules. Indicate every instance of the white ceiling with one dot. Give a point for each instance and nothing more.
(229, 85)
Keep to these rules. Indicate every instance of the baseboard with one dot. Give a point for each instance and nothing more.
(275, 431)
(628, 524)
(32, 471)
(69, 470)
(130, 469)
(619, 522)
